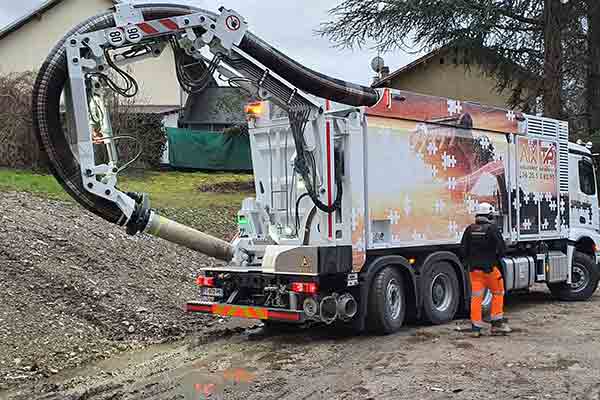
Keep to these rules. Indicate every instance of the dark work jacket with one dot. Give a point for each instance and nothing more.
(482, 245)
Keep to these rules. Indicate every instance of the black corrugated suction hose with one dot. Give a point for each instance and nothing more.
(47, 91)
(53, 74)
(306, 79)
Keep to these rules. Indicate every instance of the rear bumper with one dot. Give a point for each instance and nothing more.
(232, 310)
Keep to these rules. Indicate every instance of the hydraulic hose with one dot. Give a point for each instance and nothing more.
(53, 76)
(306, 79)
(47, 91)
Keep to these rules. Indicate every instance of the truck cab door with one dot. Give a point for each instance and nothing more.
(584, 205)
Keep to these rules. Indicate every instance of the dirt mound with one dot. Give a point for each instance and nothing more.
(75, 287)
(228, 187)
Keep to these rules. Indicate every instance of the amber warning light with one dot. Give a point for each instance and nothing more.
(254, 110)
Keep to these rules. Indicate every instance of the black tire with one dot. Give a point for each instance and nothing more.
(387, 302)
(441, 293)
(585, 280)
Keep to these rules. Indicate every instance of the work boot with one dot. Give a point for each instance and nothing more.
(475, 331)
(500, 328)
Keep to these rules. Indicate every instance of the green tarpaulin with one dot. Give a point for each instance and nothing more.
(208, 150)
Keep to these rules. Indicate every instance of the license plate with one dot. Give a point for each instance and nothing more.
(206, 300)
(212, 292)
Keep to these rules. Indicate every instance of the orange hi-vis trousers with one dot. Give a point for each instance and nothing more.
(495, 283)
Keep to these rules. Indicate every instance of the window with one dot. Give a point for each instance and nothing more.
(586, 178)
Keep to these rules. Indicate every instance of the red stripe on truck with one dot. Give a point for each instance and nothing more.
(229, 310)
(293, 316)
(169, 24)
(147, 28)
(199, 308)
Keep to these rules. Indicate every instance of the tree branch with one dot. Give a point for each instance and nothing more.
(505, 12)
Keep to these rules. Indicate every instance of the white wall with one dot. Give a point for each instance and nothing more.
(26, 49)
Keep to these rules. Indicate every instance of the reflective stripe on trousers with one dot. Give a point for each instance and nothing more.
(479, 282)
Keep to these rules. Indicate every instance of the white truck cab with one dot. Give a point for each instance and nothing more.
(583, 210)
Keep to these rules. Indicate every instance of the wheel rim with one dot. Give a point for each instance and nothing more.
(580, 278)
(441, 292)
(393, 299)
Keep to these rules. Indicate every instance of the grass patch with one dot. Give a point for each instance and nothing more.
(27, 181)
(183, 196)
(174, 189)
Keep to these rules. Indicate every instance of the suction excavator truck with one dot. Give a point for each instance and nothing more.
(362, 195)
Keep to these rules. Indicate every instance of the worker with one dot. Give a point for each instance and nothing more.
(482, 248)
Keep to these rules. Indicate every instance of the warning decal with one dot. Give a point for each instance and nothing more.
(233, 23)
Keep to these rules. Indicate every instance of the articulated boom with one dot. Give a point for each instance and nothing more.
(95, 57)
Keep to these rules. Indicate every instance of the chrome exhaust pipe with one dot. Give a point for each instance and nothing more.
(311, 307)
(328, 308)
(346, 306)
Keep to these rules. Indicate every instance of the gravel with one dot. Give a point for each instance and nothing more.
(552, 354)
(76, 288)
(57, 318)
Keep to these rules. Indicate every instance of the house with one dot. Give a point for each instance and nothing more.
(25, 43)
(451, 72)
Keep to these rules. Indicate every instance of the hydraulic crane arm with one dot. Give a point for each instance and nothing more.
(82, 65)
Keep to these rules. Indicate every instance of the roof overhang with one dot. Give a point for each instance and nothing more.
(385, 81)
(408, 67)
(37, 12)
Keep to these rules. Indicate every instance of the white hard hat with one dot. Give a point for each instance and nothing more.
(485, 209)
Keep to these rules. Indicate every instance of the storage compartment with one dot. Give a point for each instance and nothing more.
(519, 272)
(557, 269)
(381, 233)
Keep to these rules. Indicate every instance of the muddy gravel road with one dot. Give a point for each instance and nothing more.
(74, 288)
(92, 314)
(554, 353)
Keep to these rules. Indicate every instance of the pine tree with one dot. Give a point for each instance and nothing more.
(523, 33)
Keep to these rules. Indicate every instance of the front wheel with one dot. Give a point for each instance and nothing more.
(387, 302)
(585, 276)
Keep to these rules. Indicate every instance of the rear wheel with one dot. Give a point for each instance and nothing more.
(387, 302)
(585, 278)
(441, 295)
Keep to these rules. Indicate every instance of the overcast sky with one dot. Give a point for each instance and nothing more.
(287, 25)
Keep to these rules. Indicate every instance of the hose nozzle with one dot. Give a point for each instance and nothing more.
(177, 233)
